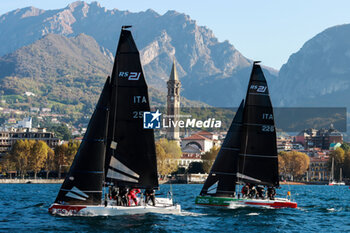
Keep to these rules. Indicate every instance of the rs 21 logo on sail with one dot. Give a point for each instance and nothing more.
(133, 76)
(258, 88)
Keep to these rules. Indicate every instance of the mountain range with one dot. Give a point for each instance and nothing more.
(205, 66)
(73, 48)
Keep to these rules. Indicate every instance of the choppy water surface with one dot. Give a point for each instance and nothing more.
(321, 209)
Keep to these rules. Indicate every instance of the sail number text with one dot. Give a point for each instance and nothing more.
(267, 116)
(138, 99)
(137, 114)
(267, 128)
(130, 75)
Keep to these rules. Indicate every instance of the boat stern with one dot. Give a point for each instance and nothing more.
(276, 204)
(65, 210)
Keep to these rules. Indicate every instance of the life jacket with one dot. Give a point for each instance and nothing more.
(133, 192)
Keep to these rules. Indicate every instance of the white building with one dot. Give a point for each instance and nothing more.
(190, 153)
(203, 143)
(25, 123)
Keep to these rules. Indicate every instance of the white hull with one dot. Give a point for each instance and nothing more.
(163, 206)
(336, 183)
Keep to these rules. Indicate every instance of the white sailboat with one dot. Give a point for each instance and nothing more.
(332, 181)
(116, 152)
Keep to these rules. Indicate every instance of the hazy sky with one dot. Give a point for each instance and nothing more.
(269, 30)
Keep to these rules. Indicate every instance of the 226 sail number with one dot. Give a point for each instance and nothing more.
(267, 128)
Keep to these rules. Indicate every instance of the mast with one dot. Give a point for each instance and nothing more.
(222, 177)
(130, 157)
(332, 170)
(258, 160)
(83, 184)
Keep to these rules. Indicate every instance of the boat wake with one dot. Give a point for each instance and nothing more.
(235, 205)
(253, 214)
(334, 210)
(39, 205)
(188, 213)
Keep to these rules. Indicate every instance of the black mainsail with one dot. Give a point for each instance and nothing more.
(83, 184)
(130, 158)
(258, 161)
(222, 179)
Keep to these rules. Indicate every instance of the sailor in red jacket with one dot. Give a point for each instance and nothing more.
(132, 195)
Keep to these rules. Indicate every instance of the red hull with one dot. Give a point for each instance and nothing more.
(274, 204)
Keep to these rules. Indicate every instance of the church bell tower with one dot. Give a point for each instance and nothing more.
(173, 104)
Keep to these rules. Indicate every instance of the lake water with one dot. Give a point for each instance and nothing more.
(321, 209)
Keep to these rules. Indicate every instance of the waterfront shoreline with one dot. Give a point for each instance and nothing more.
(31, 181)
(59, 181)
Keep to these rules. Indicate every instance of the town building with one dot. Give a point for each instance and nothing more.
(25, 123)
(173, 104)
(190, 153)
(204, 144)
(318, 169)
(212, 136)
(9, 137)
(195, 145)
(334, 145)
(284, 143)
(312, 138)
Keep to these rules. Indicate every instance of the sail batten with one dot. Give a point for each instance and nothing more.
(259, 156)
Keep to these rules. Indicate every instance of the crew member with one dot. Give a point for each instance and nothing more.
(271, 193)
(252, 192)
(132, 195)
(260, 189)
(123, 195)
(149, 194)
(245, 190)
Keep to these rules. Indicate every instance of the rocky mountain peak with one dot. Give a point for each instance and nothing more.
(319, 72)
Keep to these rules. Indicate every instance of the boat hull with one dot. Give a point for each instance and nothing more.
(336, 183)
(111, 210)
(229, 201)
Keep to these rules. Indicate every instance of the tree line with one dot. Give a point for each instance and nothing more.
(291, 163)
(168, 153)
(35, 156)
(341, 157)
